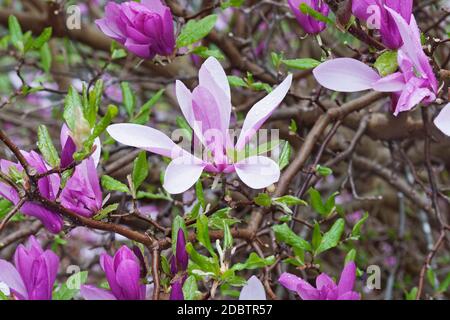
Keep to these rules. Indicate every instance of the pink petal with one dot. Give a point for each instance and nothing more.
(290, 281)
(146, 138)
(442, 121)
(128, 278)
(262, 110)
(347, 280)
(258, 172)
(11, 277)
(213, 77)
(253, 290)
(155, 6)
(93, 293)
(391, 83)
(352, 295)
(345, 75)
(182, 173)
(323, 280)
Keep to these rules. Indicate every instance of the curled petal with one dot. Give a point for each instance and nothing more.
(347, 280)
(93, 293)
(391, 83)
(345, 75)
(11, 277)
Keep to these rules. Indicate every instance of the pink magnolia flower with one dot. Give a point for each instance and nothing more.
(442, 121)
(178, 267)
(308, 23)
(48, 187)
(34, 273)
(325, 289)
(253, 290)
(207, 110)
(123, 273)
(145, 28)
(367, 10)
(413, 84)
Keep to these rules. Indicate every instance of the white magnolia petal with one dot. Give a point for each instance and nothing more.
(253, 290)
(258, 172)
(182, 173)
(442, 121)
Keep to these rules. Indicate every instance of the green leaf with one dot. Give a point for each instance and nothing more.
(111, 184)
(331, 238)
(46, 57)
(316, 237)
(68, 290)
(254, 261)
(236, 81)
(205, 52)
(351, 256)
(284, 234)
(412, 294)
(443, 287)
(103, 213)
(323, 171)
(206, 264)
(293, 126)
(178, 222)
(72, 108)
(232, 3)
(129, 99)
(290, 201)
(386, 63)
(218, 218)
(227, 237)
(263, 200)
(46, 147)
(190, 289)
(16, 33)
(301, 64)
(356, 231)
(199, 193)
(203, 233)
(143, 115)
(118, 54)
(42, 38)
(196, 30)
(95, 98)
(285, 156)
(140, 169)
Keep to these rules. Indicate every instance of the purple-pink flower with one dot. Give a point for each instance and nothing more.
(123, 273)
(145, 29)
(48, 187)
(207, 109)
(413, 84)
(307, 22)
(326, 288)
(375, 13)
(33, 274)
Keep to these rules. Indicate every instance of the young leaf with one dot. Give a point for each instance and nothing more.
(205, 52)
(46, 57)
(386, 63)
(42, 38)
(140, 169)
(316, 237)
(227, 237)
(129, 99)
(103, 213)
(290, 201)
(301, 64)
(46, 147)
(190, 289)
(203, 233)
(356, 231)
(143, 115)
(16, 33)
(331, 238)
(263, 200)
(111, 184)
(254, 261)
(199, 193)
(196, 30)
(236, 81)
(284, 234)
(72, 108)
(285, 156)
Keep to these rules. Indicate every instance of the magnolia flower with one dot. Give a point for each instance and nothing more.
(123, 273)
(34, 273)
(414, 83)
(207, 110)
(48, 187)
(145, 28)
(178, 267)
(325, 289)
(375, 13)
(308, 23)
(253, 290)
(442, 121)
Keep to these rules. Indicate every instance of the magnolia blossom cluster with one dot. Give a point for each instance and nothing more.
(81, 193)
